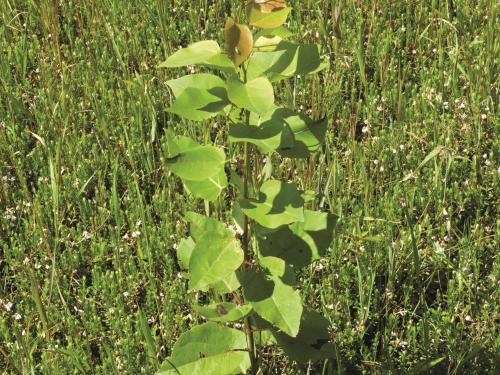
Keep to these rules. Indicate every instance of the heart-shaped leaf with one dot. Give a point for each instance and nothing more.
(201, 226)
(238, 41)
(224, 311)
(209, 349)
(193, 54)
(312, 342)
(267, 14)
(198, 96)
(202, 81)
(279, 203)
(280, 31)
(256, 95)
(273, 300)
(208, 189)
(268, 136)
(191, 161)
(303, 134)
(300, 243)
(216, 255)
(279, 268)
(286, 59)
(221, 62)
(226, 285)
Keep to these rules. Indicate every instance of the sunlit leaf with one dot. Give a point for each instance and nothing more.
(227, 284)
(300, 243)
(278, 268)
(273, 300)
(280, 31)
(194, 162)
(268, 136)
(203, 81)
(284, 60)
(208, 189)
(184, 251)
(279, 203)
(267, 14)
(193, 54)
(198, 96)
(216, 254)
(209, 349)
(256, 95)
(224, 311)
(221, 62)
(308, 134)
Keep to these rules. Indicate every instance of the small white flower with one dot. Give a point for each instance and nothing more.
(17, 316)
(86, 236)
(8, 306)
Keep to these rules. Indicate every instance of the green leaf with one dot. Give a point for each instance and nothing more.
(224, 312)
(226, 285)
(300, 243)
(256, 95)
(221, 62)
(312, 341)
(290, 133)
(193, 54)
(279, 204)
(280, 31)
(279, 268)
(274, 301)
(208, 189)
(198, 96)
(198, 104)
(268, 136)
(184, 251)
(203, 81)
(286, 60)
(216, 255)
(266, 20)
(191, 161)
(307, 133)
(208, 349)
(201, 226)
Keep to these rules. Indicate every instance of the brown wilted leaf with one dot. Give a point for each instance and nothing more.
(239, 41)
(268, 6)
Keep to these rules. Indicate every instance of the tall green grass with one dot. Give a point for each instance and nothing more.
(89, 217)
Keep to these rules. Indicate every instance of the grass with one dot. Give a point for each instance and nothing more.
(89, 216)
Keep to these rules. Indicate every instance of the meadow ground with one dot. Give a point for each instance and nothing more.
(89, 215)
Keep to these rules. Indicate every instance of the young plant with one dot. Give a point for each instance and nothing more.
(248, 277)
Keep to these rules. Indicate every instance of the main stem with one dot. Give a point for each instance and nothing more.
(246, 240)
(246, 251)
